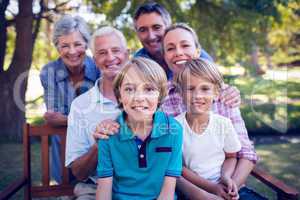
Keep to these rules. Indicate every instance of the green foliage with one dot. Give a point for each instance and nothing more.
(227, 29)
(270, 105)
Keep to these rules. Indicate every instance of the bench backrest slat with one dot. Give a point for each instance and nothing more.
(45, 189)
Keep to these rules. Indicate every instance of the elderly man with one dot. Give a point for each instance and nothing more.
(99, 103)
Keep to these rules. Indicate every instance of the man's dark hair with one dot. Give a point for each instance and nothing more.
(150, 7)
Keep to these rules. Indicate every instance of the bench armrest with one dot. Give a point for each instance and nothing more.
(283, 191)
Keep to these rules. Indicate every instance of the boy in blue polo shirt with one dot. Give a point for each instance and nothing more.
(144, 159)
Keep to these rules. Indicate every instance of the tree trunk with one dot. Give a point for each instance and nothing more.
(254, 60)
(13, 82)
(3, 36)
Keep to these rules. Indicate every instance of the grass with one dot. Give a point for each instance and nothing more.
(270, 105)
(281, 159)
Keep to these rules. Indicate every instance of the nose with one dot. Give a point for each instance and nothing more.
(139, 96)
(198, 94)
(72, 49)
(179, 51)
(151, 34)
(110, 56)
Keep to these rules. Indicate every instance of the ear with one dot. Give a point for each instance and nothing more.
(216, 93)
(198, 53)
(128, 52)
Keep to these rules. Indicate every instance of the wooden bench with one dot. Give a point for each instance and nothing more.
(45, 189)
(284, 192)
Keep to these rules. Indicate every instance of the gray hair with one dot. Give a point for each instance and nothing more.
(153, 7)
(107, 30)
(68, 24)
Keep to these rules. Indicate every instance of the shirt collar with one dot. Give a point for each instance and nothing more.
(144, 53)
(160, 126)
(90, 72)
(97, 96)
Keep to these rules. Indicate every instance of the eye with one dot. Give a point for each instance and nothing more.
(190, 88)
(157, 27)
(101, 53)
(170, 48)
(149, 89)
(64, 46)
(186, 45)
(142, 30)
(206, 89)
(116, 50)
(128, 89)
(79, 45)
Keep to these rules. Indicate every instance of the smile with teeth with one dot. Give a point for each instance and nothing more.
(180, 62)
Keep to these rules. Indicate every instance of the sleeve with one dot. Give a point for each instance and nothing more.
(47, 77)
(234, 114)
(104, 167)
(247, 151)
(231, 141)
(206, 56)
(77, 142)
(175, 163)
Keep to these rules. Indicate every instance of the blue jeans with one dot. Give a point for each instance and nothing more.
(55, 166)
(248, 194)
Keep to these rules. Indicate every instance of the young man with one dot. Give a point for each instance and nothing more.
(99, 103)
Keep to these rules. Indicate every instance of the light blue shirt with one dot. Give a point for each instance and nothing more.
(58, 91)
(87, 111)
(139, 170)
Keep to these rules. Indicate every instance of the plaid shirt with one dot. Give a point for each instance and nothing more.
(173, 105)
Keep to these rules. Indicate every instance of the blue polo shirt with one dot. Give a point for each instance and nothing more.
(139, 169)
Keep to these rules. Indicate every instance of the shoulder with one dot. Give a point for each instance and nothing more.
(53, 65)
(180, 118)
(175, 128)
(219, 120)
(141, 52)
(206, 56)
(84, 100)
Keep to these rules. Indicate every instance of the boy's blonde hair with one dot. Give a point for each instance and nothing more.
(148, 70)
(201, 68)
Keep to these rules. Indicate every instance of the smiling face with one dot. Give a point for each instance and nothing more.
(139, 97)
(110, 55)
(71, 49)
(198, 93)
(150, 29)
(179, 46)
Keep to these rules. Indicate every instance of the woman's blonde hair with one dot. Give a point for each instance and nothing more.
(186, 27)
(148, 70)
(201, 68)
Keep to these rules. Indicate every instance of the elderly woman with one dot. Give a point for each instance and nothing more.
(72, 74)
